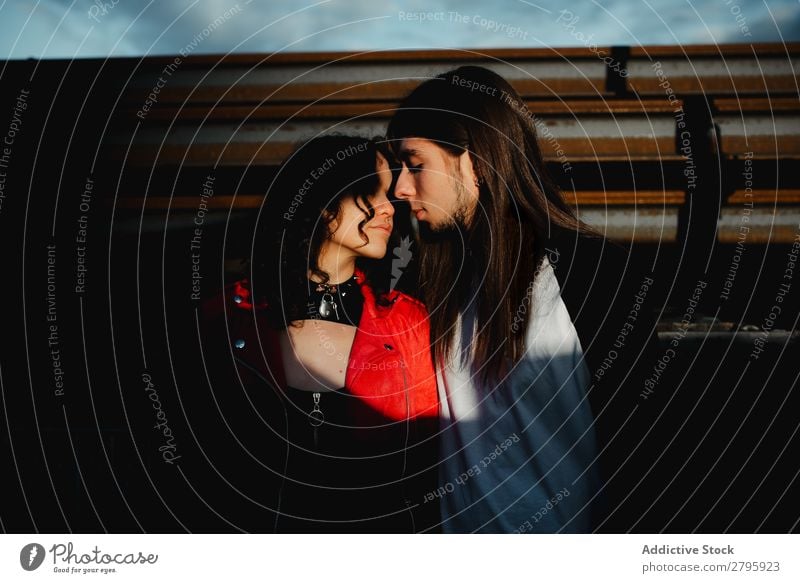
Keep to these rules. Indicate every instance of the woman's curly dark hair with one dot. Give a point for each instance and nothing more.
(302, 202)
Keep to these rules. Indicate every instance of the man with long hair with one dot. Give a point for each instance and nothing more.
(526, 304)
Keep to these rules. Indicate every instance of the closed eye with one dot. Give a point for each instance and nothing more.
(415, 169)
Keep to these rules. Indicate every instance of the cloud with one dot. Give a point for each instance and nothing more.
(769, 25)
(98, 28)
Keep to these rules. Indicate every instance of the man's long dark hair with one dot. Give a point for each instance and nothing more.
(495, 263)
(301, 204)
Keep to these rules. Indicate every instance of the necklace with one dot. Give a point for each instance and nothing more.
(325, 301)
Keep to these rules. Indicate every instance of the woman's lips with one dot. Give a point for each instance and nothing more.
(385, 228)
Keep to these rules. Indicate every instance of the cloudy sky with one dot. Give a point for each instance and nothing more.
(99, 28)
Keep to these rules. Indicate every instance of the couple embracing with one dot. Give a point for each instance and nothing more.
(482, 403)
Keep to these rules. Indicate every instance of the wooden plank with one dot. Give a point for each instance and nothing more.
(345, 91)
(385, 56)
(380, 110)
(643, 224)
(457, 55)
(713, 50)
(264, 112)
(273, 153)
(757, 104)
(761, 146)
(624, 197)
(580, 198)
(604, 106)
(233, 154)
(766, 225)
(735, 75)
(735, 84)
(394, 91)
(773, 197)
(190, 203)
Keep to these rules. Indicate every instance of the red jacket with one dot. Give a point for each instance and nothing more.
(389, 365)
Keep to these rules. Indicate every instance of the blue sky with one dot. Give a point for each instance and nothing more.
(98, 28)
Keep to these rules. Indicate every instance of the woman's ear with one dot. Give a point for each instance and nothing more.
(330, 218)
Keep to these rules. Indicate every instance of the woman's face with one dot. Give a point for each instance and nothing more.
(346, 239)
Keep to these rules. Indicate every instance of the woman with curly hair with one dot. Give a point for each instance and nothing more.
(352, 405)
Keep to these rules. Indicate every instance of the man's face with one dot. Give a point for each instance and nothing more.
(440, 187)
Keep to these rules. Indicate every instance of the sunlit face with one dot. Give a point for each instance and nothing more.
(441, 188)
(346, 240)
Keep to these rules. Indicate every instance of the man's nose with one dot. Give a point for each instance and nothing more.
(404, 189)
